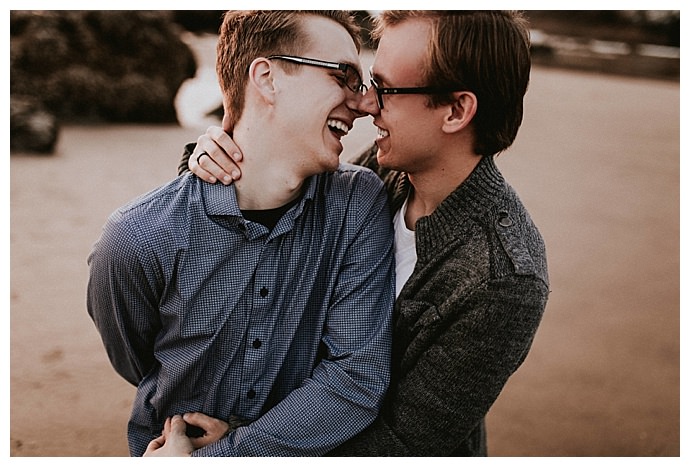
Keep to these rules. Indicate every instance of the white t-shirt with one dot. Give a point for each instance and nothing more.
(405, 251)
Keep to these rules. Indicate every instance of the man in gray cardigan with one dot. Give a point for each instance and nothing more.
(447, 96)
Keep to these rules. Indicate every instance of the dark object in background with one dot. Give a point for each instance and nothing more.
(32, 127)
(199, 21)
(111, 66)
(96, 66)
(659, 27)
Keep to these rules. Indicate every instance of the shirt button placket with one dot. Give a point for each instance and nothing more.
(260, 322)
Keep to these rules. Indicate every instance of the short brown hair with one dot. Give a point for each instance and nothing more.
(246, 35)
(485, 52)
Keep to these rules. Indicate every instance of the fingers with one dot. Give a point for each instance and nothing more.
(177, 426)
(198, 419)
(166, 427)
(173, 426)
(219, 165)
(226, 154)
(214, 429)
(225, 143)
(206, 423)
(194, 165)
(173, 441)
(155, 444)
(216, 157)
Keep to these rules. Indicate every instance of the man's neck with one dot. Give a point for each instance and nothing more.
(268, 181)
(431, 187)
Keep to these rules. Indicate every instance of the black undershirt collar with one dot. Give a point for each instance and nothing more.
(268, 217)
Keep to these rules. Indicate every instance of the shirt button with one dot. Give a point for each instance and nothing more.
(251, 394)
(256, 344)
(264, 291)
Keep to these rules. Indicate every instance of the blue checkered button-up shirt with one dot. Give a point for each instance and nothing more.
(290, 328)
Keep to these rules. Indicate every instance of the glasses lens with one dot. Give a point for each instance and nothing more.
(353, 80)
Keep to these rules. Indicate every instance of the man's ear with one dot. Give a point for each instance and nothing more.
(227, 127)
(261, 75)
(461, 111)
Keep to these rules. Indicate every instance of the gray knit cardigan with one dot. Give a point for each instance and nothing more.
(463, 322)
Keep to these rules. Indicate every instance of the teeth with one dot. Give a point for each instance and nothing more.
(338, 125)
(381, 133)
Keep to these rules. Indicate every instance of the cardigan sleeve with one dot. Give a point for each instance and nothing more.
(443, 395)
(183, 165)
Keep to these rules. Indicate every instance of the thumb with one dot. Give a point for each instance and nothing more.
(156, 443)
(177, 425)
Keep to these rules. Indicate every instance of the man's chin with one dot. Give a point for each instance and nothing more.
(333, 167)
(384, 159)
(330, 162)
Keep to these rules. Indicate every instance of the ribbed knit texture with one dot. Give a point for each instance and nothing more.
(463, 322)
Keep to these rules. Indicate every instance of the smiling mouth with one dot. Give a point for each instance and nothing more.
(381, 133)
(338, 127)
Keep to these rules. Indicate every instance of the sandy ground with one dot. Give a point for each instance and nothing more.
(596, 162)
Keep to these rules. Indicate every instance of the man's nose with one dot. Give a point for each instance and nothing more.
(367, 102)
(354, 103)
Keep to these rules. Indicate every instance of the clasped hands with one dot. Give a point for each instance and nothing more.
(174, 442)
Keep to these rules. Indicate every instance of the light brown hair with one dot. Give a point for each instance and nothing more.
(246, 35)
(486, 52)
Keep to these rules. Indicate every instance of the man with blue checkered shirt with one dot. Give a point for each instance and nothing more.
(266, 302)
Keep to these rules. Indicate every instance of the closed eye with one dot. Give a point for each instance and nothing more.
(342, 79)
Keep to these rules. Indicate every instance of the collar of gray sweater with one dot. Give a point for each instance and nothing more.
(472, 199)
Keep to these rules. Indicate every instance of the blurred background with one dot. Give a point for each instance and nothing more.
(128, 66)
(102, 102)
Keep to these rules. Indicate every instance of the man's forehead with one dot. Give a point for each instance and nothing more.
(402, 49)
(330, 41)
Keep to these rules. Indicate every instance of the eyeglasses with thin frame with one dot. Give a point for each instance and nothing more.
(380, 91)
(352, 79)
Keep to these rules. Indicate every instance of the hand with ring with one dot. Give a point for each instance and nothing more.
(216, 157)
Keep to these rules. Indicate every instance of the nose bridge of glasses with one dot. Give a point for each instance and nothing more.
(377, 89)
(354, 79)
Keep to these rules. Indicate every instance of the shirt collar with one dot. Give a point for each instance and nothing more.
(473, 198)
(221, 200)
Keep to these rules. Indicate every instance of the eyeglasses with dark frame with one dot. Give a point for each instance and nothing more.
(418, 90)
(352, 78)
